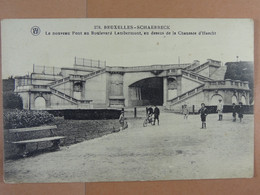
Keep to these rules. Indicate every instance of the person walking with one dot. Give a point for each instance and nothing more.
(234, 114)
(220, 110)
(203, 114)
(122, 120)
(156, 114)
(185, 111)
(240, 111)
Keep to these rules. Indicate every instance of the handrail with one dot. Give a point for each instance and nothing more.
(67, 97)
(200, 77)
(95, 73)
(187, 94)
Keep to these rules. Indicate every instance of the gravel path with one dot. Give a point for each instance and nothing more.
(177, 149)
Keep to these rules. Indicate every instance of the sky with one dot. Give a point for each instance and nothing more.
(21, 49)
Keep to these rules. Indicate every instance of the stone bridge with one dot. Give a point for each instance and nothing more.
(171, 85)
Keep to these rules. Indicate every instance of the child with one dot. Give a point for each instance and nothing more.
(234, 114)
(185, 111)
(156, 114)
(220, 110)
(203, 113)
(122, 120)
(240, 111)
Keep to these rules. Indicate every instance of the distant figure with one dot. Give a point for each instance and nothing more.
(203, 113)
(240, 111)
(156, 114)
(220, 110)
(234, 114)
(185, 111)
(122, 120)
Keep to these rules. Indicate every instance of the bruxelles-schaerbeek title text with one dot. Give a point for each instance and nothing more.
(140, 27)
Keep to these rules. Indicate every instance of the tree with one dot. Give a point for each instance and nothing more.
(243, 71)
(12, 101)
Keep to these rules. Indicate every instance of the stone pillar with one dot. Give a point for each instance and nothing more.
(179, 85)
(71, 85)
(165, 90)
(83, 91)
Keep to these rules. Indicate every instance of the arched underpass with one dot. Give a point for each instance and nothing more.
(147, 91)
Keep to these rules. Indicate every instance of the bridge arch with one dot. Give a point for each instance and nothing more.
(39, 103)
(243, 100)
(147, 91)
(130, 80)
(215, 99)
(234, 99)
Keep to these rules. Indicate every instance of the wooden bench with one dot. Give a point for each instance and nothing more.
(22, 144)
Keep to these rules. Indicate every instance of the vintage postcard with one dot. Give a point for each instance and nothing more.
(88, 100)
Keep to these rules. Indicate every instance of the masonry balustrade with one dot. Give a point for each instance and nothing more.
(227, 84)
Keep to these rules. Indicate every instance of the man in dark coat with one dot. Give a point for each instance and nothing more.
(156, 114)
(203, 114)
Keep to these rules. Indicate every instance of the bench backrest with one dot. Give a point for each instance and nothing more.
(41, 128)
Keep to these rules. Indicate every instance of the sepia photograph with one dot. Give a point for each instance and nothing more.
(94, 100)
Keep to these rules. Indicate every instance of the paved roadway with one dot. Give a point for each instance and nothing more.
(177, 149)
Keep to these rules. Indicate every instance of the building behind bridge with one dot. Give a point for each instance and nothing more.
(92, 84)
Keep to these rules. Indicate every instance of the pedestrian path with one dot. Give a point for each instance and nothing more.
(176, 149)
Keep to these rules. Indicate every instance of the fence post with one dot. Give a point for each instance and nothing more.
(135, 112)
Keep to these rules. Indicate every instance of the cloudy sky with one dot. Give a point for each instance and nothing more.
(21, 49)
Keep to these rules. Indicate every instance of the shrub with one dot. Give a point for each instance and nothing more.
(12, 101)
(26, 118)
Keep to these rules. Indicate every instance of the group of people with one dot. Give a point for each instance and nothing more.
(236, 109)
(153, 114)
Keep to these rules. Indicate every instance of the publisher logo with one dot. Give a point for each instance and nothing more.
(35, 30)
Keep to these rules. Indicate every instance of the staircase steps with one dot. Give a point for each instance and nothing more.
(186, 95)
(68, 98)
(196, 76)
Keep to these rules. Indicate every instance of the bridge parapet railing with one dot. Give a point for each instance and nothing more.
(187, 94)
(89, 62)
(228, 83)
(48, 70)
(195, 76)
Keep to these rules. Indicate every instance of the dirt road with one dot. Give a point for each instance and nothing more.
(177, 149)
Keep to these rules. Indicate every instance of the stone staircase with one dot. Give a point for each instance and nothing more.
(219, 74)
(186, 95)
(195, 76)
(67, 97)
(59, 82)
(198, 68)
(77, 77)
(94, 74)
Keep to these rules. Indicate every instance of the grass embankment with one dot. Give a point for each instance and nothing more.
(75, 131)
(79, 130)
